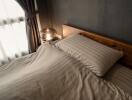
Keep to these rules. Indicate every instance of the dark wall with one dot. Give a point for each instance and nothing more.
(111, 18)
(45, 17)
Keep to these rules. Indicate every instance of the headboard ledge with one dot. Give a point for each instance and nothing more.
(125, 47)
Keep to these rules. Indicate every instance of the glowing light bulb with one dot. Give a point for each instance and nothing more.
(49, 37)
(47, 30)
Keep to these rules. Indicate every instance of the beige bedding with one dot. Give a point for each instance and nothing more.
(50, 74)
(121, 76)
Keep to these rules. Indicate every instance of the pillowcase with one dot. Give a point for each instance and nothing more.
(96, 56)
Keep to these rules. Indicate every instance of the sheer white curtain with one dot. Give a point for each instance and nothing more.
(13, 40)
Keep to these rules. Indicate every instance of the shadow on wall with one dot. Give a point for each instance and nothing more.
(108, 17)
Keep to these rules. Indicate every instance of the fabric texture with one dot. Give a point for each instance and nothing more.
(98, 57)
(31, 24)
(50, 74)
(121, 76)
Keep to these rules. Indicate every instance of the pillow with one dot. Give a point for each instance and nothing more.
(96, 56)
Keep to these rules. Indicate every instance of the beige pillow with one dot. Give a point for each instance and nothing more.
(96, 56)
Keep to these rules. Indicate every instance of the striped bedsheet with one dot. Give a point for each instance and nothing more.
(120, 76)
(50, 74)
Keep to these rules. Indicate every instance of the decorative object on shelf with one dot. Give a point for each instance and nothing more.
(48, 34)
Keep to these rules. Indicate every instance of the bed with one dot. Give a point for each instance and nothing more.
(53, 74)
(121, 72)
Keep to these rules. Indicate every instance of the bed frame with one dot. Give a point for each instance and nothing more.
(126, 48)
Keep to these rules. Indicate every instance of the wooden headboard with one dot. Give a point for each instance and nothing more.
(126, 48)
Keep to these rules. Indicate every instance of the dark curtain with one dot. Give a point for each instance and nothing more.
(31, 24)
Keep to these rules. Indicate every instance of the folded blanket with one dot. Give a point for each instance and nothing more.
(50, 74)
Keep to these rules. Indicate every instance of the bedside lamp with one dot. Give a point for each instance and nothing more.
(48, 34)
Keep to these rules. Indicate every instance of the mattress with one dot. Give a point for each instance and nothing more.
(121, 76)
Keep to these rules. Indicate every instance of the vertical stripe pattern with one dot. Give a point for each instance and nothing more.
(98, 57)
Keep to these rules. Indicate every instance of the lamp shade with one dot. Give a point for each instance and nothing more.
(48, 34)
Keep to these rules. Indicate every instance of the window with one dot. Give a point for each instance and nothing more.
(13, 40)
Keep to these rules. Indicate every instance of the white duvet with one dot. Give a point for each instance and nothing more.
(50, 74)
